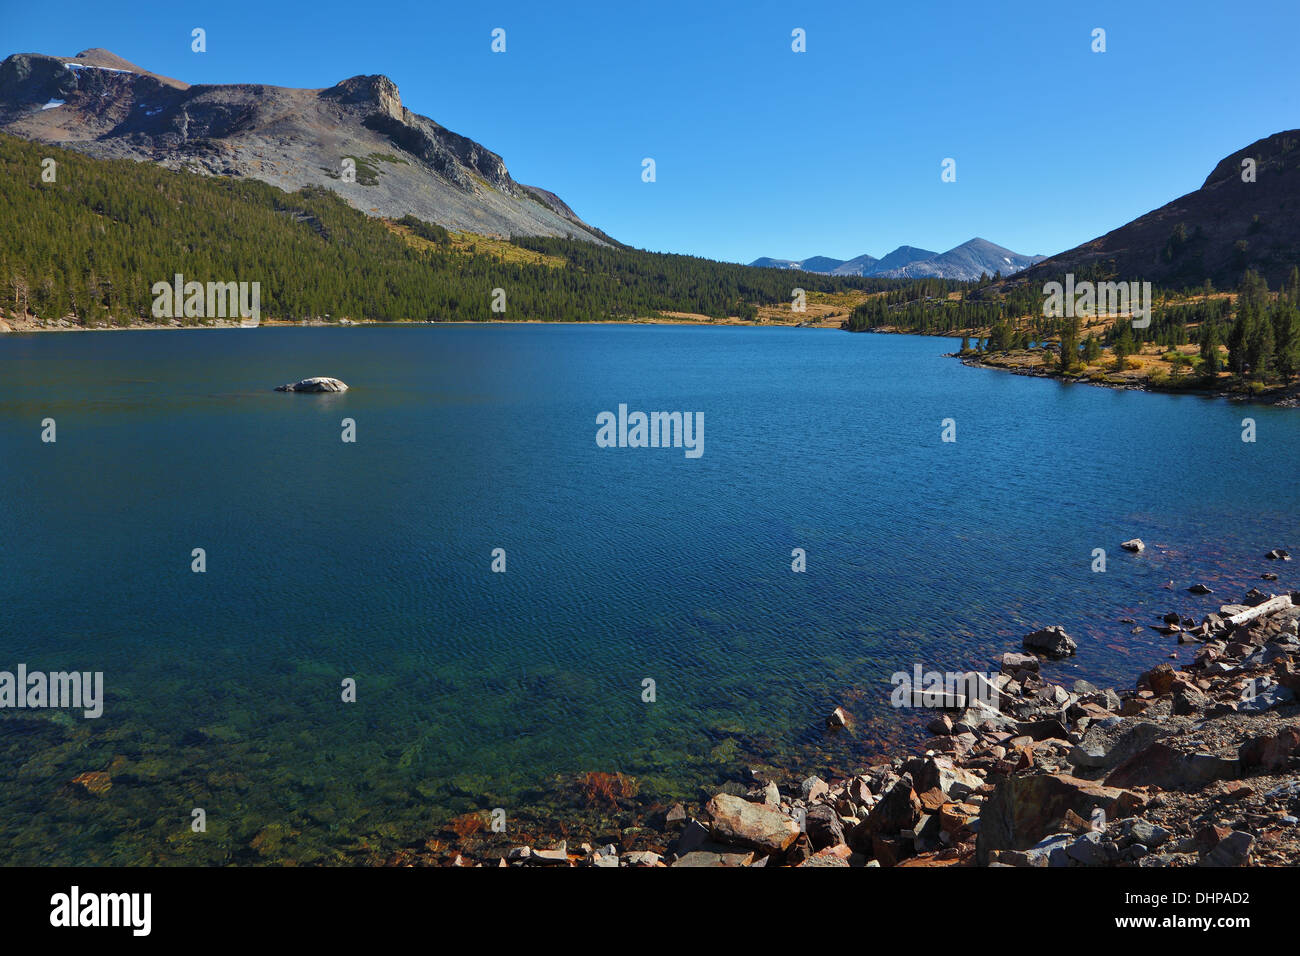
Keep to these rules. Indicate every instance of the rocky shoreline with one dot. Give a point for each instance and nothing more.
(1195, 766)
(1282, 397)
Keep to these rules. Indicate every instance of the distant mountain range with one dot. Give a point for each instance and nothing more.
(966, 262)
(405, 163)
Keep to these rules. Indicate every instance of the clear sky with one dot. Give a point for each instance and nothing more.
(760, 150)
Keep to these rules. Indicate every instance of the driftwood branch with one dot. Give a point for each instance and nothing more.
(1268, 607)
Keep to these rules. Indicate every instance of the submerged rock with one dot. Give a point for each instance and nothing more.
(838, 719)
(320, 383)
(96, 782)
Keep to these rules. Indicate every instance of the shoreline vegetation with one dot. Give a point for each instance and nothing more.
(1149, 370)
(1195, 766)
(96, 242)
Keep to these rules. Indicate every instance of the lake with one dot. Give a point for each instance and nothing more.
(372, 561)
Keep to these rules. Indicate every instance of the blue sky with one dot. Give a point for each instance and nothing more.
(760, 150)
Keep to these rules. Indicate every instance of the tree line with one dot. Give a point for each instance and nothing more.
(91, 244)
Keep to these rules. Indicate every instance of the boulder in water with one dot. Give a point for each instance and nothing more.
(317, 384)
(1051, 641)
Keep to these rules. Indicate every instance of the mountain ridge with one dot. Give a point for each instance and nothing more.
(405, 163)
(966, 262)
(1213, 233)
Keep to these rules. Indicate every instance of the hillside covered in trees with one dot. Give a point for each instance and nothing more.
(90, 245)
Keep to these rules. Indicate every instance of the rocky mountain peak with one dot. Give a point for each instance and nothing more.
(377, 89)
(402, 163)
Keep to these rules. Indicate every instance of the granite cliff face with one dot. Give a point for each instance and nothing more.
(406, 163)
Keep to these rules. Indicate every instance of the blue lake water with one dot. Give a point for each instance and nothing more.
(372, 560)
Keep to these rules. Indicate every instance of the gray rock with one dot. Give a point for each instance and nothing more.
(1232, 850)
(1093, 849)
(1285, 791)
(1274, 696)
(1052, 641)
(1170, 768)
(559, 856)
(751, 824)
(838, 719)
(1011, 662)
(1107, 743)
(694, 835)
(1144, 832)
(1135, 545)
(1041, 853)
(713, 855)
(812, 788)
(317, 384)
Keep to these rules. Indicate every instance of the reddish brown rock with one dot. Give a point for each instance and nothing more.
(1270, 753)
(831, 856)
(1159, 679)
(955, 819)
(932, 799)
(95, 782)
(887, 851)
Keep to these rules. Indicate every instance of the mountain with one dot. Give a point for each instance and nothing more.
(823, 264)
(902, 256)
(766, 263)
(859, 266)
(967, 262)
(1216, 232)
(405, 163)
(89, 249)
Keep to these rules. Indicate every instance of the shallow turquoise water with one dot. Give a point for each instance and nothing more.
(328, 560)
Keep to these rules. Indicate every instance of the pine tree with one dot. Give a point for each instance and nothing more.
(1286, 328)
(1260, 346)
(1209, 341)
(1091, 349)
(1070, 347)
(1123, 347)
